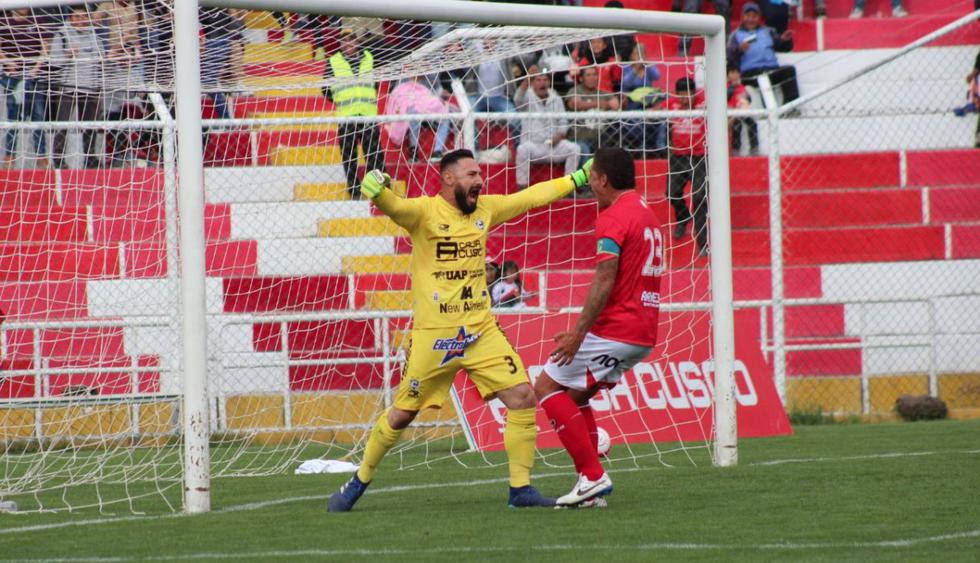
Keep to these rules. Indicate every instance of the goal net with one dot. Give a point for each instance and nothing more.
(307, 285)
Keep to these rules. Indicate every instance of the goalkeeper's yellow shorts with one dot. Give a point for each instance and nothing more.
(436, 356)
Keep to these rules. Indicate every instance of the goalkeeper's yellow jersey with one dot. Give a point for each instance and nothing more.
(449, 283)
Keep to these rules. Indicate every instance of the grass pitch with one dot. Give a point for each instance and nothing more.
(868, 492)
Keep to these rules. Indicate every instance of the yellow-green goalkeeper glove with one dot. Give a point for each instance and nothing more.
(375, 181)
(581, 176)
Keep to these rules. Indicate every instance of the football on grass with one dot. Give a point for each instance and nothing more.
(603, 446)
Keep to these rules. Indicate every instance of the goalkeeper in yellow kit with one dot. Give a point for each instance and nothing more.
(453, 326)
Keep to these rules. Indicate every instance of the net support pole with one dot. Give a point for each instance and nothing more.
(193, 309)
(720, 231)
(775, 239)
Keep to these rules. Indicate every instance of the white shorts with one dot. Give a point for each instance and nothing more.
(598, 361)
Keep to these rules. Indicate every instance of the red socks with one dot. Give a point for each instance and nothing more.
(573, 431)
(589, 417)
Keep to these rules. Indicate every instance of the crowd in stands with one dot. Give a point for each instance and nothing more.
(95, 62)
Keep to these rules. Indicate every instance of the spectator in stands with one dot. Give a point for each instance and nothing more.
(417, 96)
(492, 78)
(776, 14)
(351, 74)
(754, 47)
(222, 30)
(738, 98)
(542, 138)
(598, 54)
(722, 8)
(509, 290)
(493, 275)
(897, 10)
(638, 92)
(624, 44)
(319, 30)
(587, 96)
(123, 72)
(24, 38)
(76, 57)
(687, 163)
(159, 53)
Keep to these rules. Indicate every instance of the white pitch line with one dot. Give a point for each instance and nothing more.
(422, 486)
(469, 550)
(860, 457)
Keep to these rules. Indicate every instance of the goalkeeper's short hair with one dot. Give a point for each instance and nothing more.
(617, 165)
(453, 157)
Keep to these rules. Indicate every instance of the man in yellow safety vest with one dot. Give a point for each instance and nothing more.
(354, 95)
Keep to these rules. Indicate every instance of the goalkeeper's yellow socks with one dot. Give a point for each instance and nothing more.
(520, 434)
(382, 438)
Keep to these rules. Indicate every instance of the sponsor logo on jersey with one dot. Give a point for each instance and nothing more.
(458, 275)
(450, 251)
(650, 299)
(451, 275)
(435, 296)
(464, 307)
(443, 227)
(454, 347)
(480, 224)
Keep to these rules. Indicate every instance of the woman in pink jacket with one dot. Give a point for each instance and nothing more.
(411, 97)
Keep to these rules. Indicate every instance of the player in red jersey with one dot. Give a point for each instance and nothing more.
(618, 324)
(687, 162)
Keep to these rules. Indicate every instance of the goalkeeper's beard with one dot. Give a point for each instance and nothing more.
(463, 202)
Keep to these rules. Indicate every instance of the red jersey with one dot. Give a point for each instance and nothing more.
(687, 134)
(736, 93)
(629, 229)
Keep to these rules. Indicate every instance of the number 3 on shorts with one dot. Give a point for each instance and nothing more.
(510, 362)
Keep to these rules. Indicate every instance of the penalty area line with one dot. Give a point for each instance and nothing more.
(471, 550)
(422, 486)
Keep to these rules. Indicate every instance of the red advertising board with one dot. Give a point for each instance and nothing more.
(666, 398)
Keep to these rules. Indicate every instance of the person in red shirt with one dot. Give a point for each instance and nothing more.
(687, 162)
(618, 324)
(599, 52)
(738, 98)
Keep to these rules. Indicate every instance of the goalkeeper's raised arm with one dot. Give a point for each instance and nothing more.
(466, 194)
(506, 207)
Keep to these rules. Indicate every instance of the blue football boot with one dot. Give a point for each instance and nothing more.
(528, 496)
(344, 499)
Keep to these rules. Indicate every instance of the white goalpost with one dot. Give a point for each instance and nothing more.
(229, 307)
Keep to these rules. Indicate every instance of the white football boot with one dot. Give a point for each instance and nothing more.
(586, 489)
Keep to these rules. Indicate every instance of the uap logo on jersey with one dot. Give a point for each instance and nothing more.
(454, 347)
(480, 224)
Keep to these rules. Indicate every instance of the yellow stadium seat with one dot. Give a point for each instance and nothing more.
(389, 300)
(308, 156)
(376, 264)
(359, 227)
(278, 52)
(260, 20)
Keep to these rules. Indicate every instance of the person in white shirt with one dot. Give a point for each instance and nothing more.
(509, 290)
(542, 139)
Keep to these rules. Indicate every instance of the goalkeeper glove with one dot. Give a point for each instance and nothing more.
(375, 181)
(581, 176)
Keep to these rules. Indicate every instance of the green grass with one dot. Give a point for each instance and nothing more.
(827, 493)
